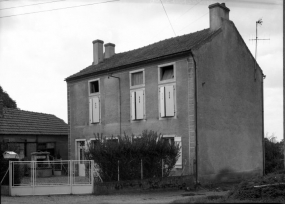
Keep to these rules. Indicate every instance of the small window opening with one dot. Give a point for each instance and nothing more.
(166, 73)
(94, 87)
(137, 78)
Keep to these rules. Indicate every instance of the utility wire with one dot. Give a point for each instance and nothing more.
(194, 21)
(168, 18)
(188, 10)
(58, 9)
(31, 5)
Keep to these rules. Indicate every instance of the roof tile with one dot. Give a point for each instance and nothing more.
(159, 49)
(15, 121)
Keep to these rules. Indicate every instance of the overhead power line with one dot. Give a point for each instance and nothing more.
(193, 21)
(168, 18)
(58, 9)
(31, 5)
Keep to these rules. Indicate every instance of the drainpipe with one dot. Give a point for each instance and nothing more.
(263, 144)
(196, 118)
(119, 100)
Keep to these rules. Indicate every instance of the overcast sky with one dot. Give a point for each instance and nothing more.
(39, 50)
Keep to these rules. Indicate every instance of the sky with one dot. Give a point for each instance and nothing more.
(44, 42)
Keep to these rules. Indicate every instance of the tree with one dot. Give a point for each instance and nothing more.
(274, 154)
(8, 102)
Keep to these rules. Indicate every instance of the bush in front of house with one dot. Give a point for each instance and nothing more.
(128, 154)
(274, 154)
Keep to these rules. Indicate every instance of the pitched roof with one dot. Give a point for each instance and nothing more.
(157, 50)
(15, 121)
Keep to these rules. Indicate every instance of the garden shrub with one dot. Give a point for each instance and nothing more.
(274, 155)
(130, 153)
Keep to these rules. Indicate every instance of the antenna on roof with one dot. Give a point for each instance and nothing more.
(259, 22)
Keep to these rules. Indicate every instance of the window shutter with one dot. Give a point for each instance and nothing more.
(139, 104)
(133, 105)
(90, 111)
(177, 140)
(96, 110)
(169, 100)
(162, 102)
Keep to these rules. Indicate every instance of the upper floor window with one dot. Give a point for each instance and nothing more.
(94, 87)
(166, 73)
(137, 78)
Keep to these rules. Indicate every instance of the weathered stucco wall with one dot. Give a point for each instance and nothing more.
(109, 95)
(229, 107)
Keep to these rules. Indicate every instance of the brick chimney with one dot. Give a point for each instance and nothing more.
(109, 50)
(217, 12)
(1, 108)
(97, 51)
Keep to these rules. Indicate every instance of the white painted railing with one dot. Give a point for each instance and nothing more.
(51, 177)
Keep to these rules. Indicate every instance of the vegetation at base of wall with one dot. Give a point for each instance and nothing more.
(126, 156)
(8, 102)
(274, 154)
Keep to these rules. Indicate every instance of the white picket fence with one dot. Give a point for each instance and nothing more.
(52, 177)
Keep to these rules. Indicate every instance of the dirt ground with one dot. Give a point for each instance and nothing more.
(145, 197)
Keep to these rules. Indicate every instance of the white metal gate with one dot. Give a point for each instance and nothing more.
(52, 177)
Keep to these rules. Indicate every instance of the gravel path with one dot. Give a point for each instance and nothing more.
(145, 197)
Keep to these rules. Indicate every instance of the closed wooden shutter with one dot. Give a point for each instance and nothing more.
(90, 111)
(139, 104)
(96, 109)
(169, 100)
(177, 140)
(133, 105)
(162, 102)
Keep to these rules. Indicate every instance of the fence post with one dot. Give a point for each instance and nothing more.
(118, 170)
(162, 168)
(141, 170)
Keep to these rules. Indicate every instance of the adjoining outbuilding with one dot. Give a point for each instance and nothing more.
(26, 132)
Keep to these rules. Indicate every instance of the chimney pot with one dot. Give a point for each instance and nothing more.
(97, 51)
(217, 12)
(109, 50)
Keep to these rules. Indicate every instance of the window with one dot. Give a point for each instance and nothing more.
(94, 87)
(166, 73)
(167, 101)
(93, 142)
(137, 105)
(137, 78)
(112, 140)
(94, 101)
(171, 139)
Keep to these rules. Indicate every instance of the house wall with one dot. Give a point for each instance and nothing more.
(61, 145)
(229, 108)
(109, 94)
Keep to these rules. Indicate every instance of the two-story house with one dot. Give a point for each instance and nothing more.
(203, 90)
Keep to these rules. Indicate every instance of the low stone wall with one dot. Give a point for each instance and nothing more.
(4, 190)
(173, 182)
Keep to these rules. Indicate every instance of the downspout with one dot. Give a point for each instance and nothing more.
(119, 101)
(196, 119)
(263, 144)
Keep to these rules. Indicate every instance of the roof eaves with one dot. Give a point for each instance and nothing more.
(69, 79)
